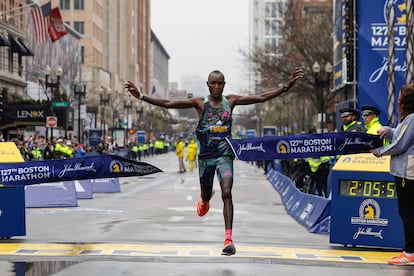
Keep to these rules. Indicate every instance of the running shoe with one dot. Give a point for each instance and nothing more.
(202, 207)
(228, 248)
(402, 259)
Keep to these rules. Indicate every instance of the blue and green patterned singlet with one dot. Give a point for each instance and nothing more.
(213, 126)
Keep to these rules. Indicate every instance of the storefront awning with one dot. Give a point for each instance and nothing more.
(3, 41)
(18, 46)
(29, 52)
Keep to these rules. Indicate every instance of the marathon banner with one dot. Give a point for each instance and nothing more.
(303, 145)
(89, 167)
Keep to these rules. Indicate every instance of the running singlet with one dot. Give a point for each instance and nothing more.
(213, 126)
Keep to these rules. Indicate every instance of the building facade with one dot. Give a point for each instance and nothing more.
(115, 47)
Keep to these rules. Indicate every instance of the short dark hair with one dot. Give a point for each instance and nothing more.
(215, 72)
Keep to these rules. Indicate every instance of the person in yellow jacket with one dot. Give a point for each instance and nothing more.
(63, 150)
(371, 120)
(36, 152)
(159, 147)
(191, 154)
(370, 115)
(179, 151)
(320, 167)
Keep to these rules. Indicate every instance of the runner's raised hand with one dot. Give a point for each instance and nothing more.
(130, 86)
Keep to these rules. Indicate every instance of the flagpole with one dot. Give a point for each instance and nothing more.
(19, 8)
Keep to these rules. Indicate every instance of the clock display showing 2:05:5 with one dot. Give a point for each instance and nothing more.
(367, 188)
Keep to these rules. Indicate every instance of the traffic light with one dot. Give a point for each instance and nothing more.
(131, 131)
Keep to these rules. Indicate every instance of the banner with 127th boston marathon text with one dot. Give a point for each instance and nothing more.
(88, 167)
(303, 145)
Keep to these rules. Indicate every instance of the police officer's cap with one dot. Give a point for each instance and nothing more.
(369, 109)
(348, 112)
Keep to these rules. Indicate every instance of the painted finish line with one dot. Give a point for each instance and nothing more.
(177, 250)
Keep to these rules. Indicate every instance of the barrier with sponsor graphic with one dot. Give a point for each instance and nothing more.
(312, 212)
(105, 185)
(83, 189)
(55, 194)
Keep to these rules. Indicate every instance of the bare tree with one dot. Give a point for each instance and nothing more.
(307, 37)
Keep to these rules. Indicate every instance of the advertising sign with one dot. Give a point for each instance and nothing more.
(269, 131)
(251, 133)
(141, 136)
(95, 136)
(373, 52)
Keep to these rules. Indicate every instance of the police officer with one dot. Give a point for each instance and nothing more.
(370, 115)
(350, 120)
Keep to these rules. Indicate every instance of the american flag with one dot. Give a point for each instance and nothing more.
(154, 93)
(41, 20)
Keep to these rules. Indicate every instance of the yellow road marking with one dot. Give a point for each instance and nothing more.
(179, 250)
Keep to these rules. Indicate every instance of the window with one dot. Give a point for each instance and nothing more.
(64, 4)
(79, 5)
(79, 26)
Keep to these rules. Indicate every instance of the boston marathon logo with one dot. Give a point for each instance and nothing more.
(369, 214)
(116, 166)
(282, 147)
(122, 167)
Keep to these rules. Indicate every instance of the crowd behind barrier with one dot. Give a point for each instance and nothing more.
(37, 147)
(314, 182)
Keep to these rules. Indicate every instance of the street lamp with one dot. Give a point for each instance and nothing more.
(52, 83)
(105, 97)
(140, 112)
(321, 84)
(115, 119)
(128, 106)
(79, 91)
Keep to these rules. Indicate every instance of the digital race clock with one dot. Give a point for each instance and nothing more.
(367, 188)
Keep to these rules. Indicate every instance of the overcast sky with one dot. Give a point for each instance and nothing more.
(203, 35)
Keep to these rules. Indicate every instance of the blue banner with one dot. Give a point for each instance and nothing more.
(372, 21)
(89, 167)
(303, 145)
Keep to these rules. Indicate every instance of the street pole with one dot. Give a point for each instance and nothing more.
(320, 85)
(80, 91)
(127, 106)
(52, 85)
(105, 98)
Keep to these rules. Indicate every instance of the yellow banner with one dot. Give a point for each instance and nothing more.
(9, 153)
(363, 162)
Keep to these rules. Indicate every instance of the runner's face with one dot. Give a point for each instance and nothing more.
(215, 85)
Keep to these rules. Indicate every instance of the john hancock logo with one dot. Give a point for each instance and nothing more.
(282, 147)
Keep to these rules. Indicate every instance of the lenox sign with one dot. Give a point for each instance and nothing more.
(25, 114)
